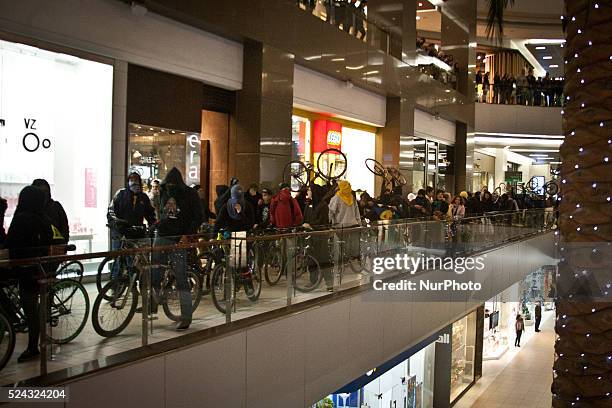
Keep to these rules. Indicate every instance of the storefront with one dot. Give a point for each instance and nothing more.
(56, 123)
(521, 298)
(314, 133)
(408, 380)
(175, 121)
(463, 355)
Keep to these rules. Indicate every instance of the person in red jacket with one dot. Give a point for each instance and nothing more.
(285, 211)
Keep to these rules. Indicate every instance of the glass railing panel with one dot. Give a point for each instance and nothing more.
(148, 286)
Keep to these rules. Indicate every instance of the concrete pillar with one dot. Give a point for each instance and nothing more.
(399, 123)
(261, 144)
(501, 165)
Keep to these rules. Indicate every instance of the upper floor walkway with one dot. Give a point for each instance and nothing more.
(296, 320)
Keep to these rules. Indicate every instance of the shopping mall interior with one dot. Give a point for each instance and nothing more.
(378, 203)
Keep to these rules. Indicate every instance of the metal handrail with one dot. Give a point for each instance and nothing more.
(200, 244)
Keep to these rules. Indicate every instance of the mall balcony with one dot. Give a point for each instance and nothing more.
(95, 90)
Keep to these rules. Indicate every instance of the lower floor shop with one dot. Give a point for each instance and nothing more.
(441, 369)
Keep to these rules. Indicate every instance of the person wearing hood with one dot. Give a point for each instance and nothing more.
(130, 208)
(54, 210)
(285, 210)
(181, 216)
(237, 214)
(30, 235)
(316, 213)
(224, 194)
(343, 209)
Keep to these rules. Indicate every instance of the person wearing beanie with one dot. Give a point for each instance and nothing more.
(285, 211)
(237, 214)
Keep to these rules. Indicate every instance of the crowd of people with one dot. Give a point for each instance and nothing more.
(177, 213)
(445, 76)
(524, 89)
(347, 15)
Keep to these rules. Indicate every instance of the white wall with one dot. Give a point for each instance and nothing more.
(516, 119)
(317, 92)
(427, 126)
(108, 28)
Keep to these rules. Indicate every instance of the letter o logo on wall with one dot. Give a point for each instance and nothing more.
(31, 142)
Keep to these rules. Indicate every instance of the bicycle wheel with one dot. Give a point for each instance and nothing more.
(218, 290)
(111, 317)
(331, 171)
(551, 188)
(296, 174)
(205, 266)
(273, 267)
(171, 299)
(308, 275)
(252, 283)
(72, 270)
(106, 266)
(7, 340)
(375, 167)
(68, 310)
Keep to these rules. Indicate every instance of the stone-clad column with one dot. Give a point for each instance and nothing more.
(261, 144)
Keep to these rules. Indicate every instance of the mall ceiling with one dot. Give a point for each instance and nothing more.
(550, 57)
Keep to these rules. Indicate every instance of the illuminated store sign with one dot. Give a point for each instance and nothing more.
(334, 138)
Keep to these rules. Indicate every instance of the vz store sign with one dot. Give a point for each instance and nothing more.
(31, 141)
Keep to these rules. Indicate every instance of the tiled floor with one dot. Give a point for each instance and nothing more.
(90, 346)
(521, 378)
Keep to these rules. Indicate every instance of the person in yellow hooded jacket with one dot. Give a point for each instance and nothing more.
(343, 208)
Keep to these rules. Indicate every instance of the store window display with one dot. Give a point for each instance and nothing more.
(56, 124)
(409, 384)
(153, 151)
(463, 354)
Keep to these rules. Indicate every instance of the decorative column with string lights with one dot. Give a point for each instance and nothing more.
(583, 365)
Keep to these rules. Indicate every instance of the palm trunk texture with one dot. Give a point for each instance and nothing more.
(582, 368)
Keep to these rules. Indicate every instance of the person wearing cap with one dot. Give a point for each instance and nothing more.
(285, 211)
(262, 214)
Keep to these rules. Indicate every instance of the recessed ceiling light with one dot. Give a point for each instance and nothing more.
(418, 17)
(553, 66)
(540, 48)
(547, 57)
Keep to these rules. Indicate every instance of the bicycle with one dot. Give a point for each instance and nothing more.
(273, 264)
(116, 304)
(225, 285)
(121, 262)
(67, 307)
(392, 177)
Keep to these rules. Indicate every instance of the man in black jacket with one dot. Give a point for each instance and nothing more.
(181, 216)
(129, 208)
